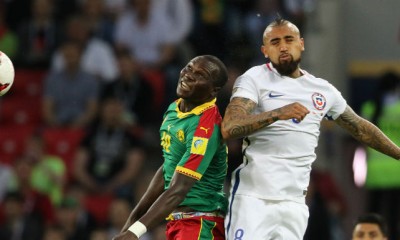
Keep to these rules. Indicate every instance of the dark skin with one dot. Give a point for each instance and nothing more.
(195, 87)
(283, 44)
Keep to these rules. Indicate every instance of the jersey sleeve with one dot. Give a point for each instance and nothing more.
(244, 87)
(202, 144)
(338, 106)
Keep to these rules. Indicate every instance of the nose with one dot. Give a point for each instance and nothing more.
(283, 47)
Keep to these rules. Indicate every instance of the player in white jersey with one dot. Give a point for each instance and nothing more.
(277, 108)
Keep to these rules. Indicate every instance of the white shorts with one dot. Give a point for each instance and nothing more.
(259, 219)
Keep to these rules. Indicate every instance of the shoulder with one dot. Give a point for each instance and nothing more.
(318, 80)
(211, 115)
(126, 17)
(97, 45)
(256, 71)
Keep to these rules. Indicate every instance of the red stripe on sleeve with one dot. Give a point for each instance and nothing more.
(204, 129)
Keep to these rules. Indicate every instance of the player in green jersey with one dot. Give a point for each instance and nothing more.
(187, 189)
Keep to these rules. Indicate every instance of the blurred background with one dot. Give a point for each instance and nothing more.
(79, 128)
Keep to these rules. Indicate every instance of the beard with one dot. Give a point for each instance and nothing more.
(286, 68)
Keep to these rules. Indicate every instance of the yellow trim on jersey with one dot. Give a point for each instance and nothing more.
(199, 145)
(188, 172)
(197, 110)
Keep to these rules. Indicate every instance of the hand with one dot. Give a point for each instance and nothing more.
(127, 235)
(293, 111)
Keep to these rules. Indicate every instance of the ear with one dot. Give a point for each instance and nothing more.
(215, 91)
(302, 44)
(264, 51)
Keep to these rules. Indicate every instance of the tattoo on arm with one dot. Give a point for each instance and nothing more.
(367, 133)
(239, 120)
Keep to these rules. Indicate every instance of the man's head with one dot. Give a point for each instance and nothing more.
(370, 226)
(201, 79)
(283, 45)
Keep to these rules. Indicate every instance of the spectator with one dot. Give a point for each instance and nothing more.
(86, 220)
(101, 26)
(36, 204)
(370, 226)
(148, 39)
(98, 57)
(109, 158)
(134, 91)
(180, 17)
(68, 219)
(38, 35)
(16, 224)
(70, 95)
(49, 171)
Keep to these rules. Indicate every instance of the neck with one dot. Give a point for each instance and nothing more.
(297, 73)
(186, 106)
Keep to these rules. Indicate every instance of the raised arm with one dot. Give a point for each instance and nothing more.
(239, 120)
(367, 133)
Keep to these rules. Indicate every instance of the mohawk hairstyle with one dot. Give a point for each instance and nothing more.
(279, 21)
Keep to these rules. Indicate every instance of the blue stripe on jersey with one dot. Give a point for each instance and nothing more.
(235, 187)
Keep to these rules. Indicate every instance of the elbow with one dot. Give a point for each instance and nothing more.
(225, 132)
(176, 197)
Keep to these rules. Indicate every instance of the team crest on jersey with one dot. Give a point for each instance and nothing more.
(319, 101)
(180, 135)
(199, 145)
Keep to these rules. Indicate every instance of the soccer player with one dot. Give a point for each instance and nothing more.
(188, 188)
(370, 226)
(277, 108)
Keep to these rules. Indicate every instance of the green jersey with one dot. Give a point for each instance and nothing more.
(192, 145)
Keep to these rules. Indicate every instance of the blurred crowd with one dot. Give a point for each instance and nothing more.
(79, 137)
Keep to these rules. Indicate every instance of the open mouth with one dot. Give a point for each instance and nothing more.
(183, 84)
(285, 57)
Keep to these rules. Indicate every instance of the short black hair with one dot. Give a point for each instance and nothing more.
(220, 77)
(374, 218)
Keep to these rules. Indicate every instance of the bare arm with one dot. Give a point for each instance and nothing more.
(168, 200)
(154, 190)
(367, 133)
(156, 204)
(239, 121)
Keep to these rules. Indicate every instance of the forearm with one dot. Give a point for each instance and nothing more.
(169, 200)
(240, 125)
(373, 137)
(154, 190)
(367, 133)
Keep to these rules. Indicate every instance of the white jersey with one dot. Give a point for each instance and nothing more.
(277, 159)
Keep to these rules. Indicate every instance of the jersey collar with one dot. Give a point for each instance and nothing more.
(197, 110)
(272, 69)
